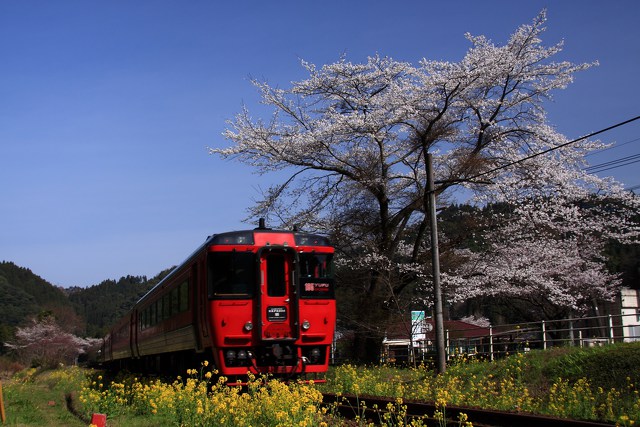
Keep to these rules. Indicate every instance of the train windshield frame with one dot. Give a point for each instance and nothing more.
(231, 275)
(316, 275)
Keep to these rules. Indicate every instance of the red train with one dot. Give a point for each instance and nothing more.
(259, 301)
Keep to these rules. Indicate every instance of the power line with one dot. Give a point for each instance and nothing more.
(624, 161)
(547, 150)
(614, 164)
(612, 147)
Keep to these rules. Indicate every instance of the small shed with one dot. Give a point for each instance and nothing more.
(414, 341)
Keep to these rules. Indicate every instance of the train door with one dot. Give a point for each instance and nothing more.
(278, 310)
(199, 307)
(133, 333)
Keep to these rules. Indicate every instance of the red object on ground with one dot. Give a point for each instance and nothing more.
(99, 420)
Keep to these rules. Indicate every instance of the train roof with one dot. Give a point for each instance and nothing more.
(246, 237)
(241, 237)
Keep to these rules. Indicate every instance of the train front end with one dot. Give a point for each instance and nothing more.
(271, 302)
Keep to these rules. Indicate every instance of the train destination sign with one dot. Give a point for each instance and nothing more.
(317, 287)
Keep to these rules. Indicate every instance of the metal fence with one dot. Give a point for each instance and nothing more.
(495, 341)
(501, 340)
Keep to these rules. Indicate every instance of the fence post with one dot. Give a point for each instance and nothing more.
(572, 338)
(447, 345)
(544, 336)
(2, 414)
(491, 343)
(612, 337)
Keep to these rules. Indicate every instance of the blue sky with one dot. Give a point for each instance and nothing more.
(107, 108)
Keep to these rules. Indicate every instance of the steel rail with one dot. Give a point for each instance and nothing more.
(373, 408)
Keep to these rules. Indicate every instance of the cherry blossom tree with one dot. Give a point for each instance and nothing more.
(549, 250)
(528, 258)
(43, 342)
(355, 138)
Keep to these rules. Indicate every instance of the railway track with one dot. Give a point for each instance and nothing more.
(350, 406)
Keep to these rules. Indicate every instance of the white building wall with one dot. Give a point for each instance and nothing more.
(630, 310)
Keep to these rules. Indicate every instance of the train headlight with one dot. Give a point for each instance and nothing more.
(230, 355)
(242, 355)
(315, 355)
(306, 325)
(248, 326)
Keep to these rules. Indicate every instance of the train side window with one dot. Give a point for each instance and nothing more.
(184, 296)
(166, 306)
(175, 300)
(152, 314)
(231, 274)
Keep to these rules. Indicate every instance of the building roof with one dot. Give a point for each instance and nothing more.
(456, 328)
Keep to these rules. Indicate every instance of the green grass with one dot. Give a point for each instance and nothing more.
(606, 367)
(38, 399)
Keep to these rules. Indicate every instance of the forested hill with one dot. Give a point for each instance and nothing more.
(101, 305)
(83, 311)
(24, 294)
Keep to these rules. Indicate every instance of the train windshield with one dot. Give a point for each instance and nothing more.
(316, 275)
(231, 274)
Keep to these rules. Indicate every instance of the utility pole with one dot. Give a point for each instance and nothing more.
(441, 364)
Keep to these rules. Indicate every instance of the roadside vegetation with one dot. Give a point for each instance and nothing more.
(596, 384)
